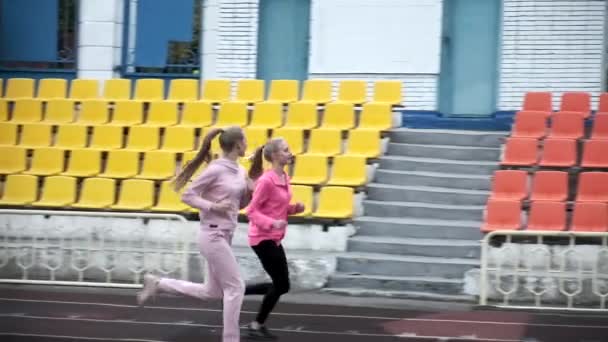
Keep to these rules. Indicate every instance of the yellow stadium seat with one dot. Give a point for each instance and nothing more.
(19, 88)
(158, 165)
(178, 139)
(325, 142)
(310, 170)
(135, 194)
(127, 113)
(20, 190)
(267, 115)
(27, 110)
(169, 200)
(216, 91)
(1, 87)
(83, 89)
(59, 111)
(162, 114)
(316, 91)
(293, 136)
(376, 116)
(83, 163)
(352, 91)
(52, 88)
(12, 159)
(93, 112)
(335, 202)
(364, 142)
(58, 191)
(35, 135)
(117, 89)
(181, 90)
(46, 161)
(348, 171)
(302, 115)
(232, 113)
(143, 138)
(303, 194)
(106, 137)
(284, 91)
(387, 92)
(197, 114)
(339, 116)
(249, 91)
(256, 137)
(121, 164)
(71, 136)
(149, 89)
(96, 193)
(8, 133)
(3, 110)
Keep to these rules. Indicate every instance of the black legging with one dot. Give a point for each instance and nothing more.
(275, 263)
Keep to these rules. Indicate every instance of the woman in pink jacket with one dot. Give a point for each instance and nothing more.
(218, 192)
(267, 214)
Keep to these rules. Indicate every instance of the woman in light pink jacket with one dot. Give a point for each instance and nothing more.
(267, 212)
(218, 192)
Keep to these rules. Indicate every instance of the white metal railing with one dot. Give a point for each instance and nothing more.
(526, 272)
(108, 249)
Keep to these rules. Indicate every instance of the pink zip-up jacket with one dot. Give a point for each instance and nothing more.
(222, 179)
(270, 202)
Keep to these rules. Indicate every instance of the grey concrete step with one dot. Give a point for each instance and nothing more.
(437, 165)
(417, 228)
(447, 137)
(445, 151)
(423, 210)
(387, 283)
(437, 179)
(413, 246)
(404, 266)
(426, 194)
(363, 292)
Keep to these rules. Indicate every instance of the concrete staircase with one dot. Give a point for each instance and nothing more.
(420, 232)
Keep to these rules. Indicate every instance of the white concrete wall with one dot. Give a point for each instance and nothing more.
(419, 74)
(553, 46)
(99, 38)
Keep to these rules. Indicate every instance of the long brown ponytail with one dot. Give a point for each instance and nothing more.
(257, 164)
(203, 156)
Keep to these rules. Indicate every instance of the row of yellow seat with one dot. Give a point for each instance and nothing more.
(310, 169)
(212, 91)
(327, 142)
(143, 195)
(197, 114)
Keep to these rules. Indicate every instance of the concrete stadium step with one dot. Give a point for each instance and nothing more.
(404, 266)
(436, 179)
(413, 246)
(437, 165)
(417, 228)
(387, 283)
(364, 292)
(445, 151)
(423, 210)
(447, 137)
(426, 194)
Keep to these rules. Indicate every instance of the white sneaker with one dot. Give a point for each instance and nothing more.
(149, 290)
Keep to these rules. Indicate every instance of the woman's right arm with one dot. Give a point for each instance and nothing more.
(261, 194)
(192, 194)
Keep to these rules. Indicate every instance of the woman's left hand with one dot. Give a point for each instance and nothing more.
(300, 207)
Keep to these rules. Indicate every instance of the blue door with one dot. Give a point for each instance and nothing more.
(283, 35)
(468, 79)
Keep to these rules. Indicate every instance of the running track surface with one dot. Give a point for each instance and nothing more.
(59, 316)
